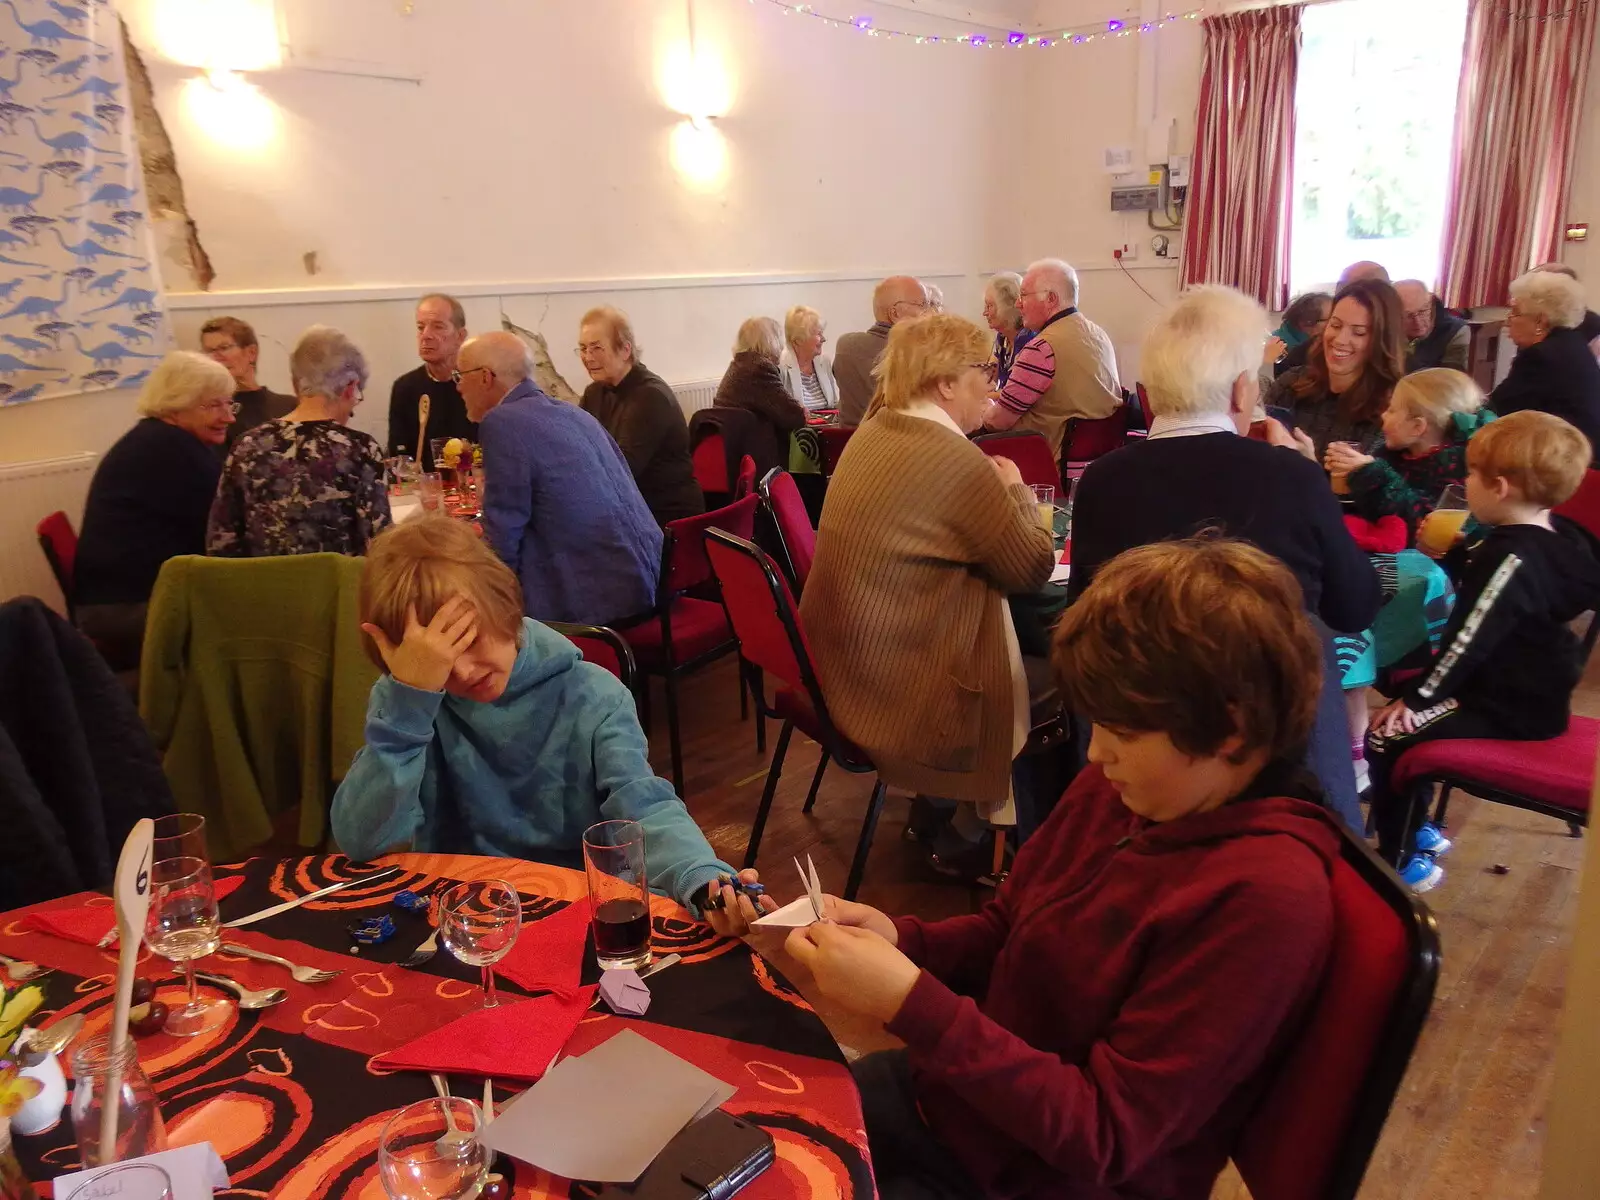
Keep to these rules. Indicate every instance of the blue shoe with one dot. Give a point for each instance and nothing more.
(1422, 874)
(1432, 841)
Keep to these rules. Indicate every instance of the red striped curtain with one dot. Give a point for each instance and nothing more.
(1243, 192)
(1522, 82)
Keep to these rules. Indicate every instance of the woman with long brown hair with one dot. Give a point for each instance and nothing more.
(1353, 365)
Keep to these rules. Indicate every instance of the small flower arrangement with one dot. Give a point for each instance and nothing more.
(16, 1006)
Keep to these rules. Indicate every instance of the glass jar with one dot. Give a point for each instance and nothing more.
(12, 1184)
(140, 1130)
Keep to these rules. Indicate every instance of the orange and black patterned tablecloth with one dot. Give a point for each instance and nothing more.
(289, 1096)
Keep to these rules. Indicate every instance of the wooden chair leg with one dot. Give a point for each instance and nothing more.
(773, 773)
(869, 825)
(672, 733)
(816, 782)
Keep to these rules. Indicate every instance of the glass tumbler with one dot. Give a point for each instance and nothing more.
(140, 1130)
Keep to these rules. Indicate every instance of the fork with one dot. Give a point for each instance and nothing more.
(20, 971)
(301, 974)
(423, 952)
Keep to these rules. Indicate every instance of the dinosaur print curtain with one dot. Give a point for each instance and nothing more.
(80, 298)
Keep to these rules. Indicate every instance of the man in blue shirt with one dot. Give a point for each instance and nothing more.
(560, 506)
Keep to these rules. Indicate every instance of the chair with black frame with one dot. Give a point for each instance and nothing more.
(772, 640)
(1314, 1130)
(59, 541)
(604, 647)
(686, 632)
(1029, 450)
(1552, 777)
(834, 438)
(1088, 439)
(796, 534)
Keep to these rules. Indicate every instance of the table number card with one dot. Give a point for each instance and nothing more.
(193, 1173)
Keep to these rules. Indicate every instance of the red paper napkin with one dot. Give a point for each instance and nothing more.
(515, 1040)
(89, 923)
(548, 955)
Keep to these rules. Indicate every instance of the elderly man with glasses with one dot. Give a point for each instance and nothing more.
(1434, 338)
(897, 298)
(1068, 370)
(560, 505)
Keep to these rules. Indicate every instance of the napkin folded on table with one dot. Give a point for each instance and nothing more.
(90, 923)
(548, 955)
(514, 1040)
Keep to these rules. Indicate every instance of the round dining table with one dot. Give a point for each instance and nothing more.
(293, 1100)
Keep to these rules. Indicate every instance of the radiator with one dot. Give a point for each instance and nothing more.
(29, 492)
(695, 396)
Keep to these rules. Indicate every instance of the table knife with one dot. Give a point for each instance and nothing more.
(316, 895)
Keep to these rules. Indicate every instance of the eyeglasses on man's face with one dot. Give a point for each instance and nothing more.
(455, 376)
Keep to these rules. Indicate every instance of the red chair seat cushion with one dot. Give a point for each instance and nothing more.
(1558, 772)
(698, 627)
(791, 705)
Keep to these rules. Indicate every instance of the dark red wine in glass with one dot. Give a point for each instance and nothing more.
(621, 929)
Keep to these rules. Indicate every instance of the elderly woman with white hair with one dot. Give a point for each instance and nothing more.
(1200, 367)
(1554, 370)
(807, 371)
(754, 383)
(1001, 298)
(149, 499)
(304, 483)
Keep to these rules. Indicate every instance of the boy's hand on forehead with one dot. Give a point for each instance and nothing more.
(427, 653)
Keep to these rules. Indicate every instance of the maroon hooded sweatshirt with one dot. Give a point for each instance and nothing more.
(1103, 1026)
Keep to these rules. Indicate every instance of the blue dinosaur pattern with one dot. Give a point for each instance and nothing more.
(80, 295)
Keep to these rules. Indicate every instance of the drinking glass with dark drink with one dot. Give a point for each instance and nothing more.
(619, 894)
(478, 923)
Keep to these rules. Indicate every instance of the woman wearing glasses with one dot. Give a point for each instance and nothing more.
(922, 537)
(305, 483)
(149, 500)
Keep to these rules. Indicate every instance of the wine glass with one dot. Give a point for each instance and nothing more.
(434, 1150)
(478, 922)
(183, 924)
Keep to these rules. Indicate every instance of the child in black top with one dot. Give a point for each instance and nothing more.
(1507, 663)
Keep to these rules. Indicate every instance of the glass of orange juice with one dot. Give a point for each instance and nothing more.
(1045, 497)
(1440, 528)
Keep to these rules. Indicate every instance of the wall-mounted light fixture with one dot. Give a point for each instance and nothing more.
(695, 83)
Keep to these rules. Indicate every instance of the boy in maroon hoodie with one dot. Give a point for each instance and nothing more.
(1103, 1027)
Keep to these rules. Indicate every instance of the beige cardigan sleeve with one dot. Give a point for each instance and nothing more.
(1000, 526)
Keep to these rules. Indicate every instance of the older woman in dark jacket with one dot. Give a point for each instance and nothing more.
(753, 382)
(1554, 370)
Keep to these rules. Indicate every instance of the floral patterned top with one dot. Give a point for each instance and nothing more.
(299, 487)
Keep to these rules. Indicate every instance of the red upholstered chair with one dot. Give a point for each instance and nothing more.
(793, 523)
(772, 640)
(59, 541)
(1314, 1130)
(1088, 439)
(603, 647)
(1584, 507)
(746, 483)
(686, 632)
(833, 439)
(1029, 450)
(1141, 399)
(710, 460)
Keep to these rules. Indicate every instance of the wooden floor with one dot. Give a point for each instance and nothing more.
(1469, 1120)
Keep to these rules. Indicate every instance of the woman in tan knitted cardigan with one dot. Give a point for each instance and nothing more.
(921, 539)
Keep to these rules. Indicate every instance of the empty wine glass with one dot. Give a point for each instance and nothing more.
(183, 924)
(434, 1150)
(478, 923)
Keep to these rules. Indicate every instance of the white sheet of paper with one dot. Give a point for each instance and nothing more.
(196, 1171)
(796, 914)
(404, 508)
(605, 1115)
(1062, 572)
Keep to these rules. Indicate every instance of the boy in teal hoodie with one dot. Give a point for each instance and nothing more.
(488, 733)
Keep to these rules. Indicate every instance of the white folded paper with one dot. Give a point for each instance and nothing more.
(195, 1173)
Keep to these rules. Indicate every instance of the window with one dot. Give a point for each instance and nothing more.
(1375, 108)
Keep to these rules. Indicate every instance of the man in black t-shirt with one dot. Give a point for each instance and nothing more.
(232, 342)
(441, 328)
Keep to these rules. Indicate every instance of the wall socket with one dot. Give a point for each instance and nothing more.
(1125, 253)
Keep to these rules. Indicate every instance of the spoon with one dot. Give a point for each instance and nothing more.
(44, 1042)
(249, 998)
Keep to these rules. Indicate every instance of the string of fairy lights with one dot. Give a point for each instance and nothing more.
(1012, 40)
